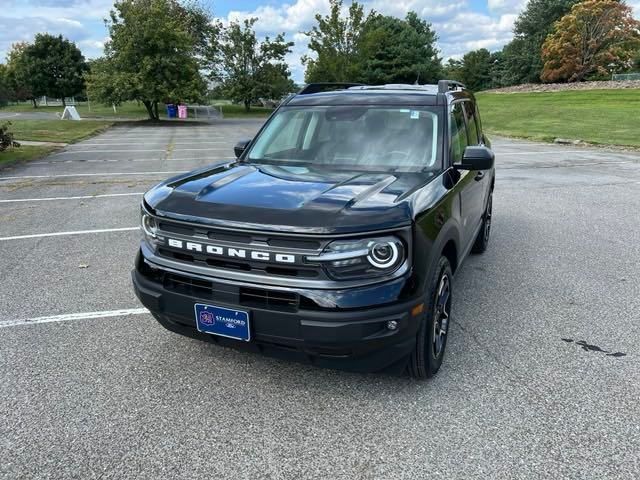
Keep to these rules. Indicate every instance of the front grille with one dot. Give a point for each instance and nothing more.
(244, 296)
(259, 297)
(272, 244)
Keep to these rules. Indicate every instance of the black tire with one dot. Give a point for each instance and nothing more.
(482, 240)
(427, 356)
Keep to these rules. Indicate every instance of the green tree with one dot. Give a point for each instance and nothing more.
(335, 41)
(154, 54)
(392, 50)
(497, 70)
(5, 91)
(249, 69)
(476, 69)
(452, 70)
(18, 77)
(521, 57)
(635, 66)
(596, 37)
(54, 66)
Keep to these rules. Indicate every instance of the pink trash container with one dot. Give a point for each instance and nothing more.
(182, 111)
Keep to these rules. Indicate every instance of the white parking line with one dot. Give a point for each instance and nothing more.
(105, 174)
(61, 234)
(543, 152)
(137, 139)
(151, 159)
(80, 197)
(139, 143)
(67, 152)
(73, 316)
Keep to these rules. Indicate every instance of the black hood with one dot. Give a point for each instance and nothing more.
(289, 198)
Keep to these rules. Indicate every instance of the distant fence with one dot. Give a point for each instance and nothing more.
(625, 76)
(45, 101)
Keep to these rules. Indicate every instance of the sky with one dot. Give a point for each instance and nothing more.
(461, 25)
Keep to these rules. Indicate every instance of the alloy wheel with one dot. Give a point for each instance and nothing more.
(487, 219)
(441, 315)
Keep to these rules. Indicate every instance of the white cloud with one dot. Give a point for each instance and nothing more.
(78, 20)
(506, 6)
(431, 10)
(470, 30)
(458, 27)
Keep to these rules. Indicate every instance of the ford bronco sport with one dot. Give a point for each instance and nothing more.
(334, 235)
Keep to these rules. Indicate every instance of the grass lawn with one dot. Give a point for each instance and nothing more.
(237, 111)
(608, 117)
(56, 130)
(23, 153)
(130, 110)
(136, 111)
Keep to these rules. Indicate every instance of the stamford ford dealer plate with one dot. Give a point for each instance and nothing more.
(222, 321)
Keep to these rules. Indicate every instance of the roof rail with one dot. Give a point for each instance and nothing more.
(446, 85)
(326, 87)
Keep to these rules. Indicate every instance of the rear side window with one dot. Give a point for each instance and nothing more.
(458, 133)
(479, 122)
(472, 126)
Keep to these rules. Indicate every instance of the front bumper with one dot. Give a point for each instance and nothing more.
(349, 339)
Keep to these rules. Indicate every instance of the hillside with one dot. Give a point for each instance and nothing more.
(607, 117)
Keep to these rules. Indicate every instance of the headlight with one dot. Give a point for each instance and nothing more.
(149, 228)
(149, 225)
(384, 254)
(364, 258)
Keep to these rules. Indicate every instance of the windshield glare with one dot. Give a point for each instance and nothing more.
(364, 137)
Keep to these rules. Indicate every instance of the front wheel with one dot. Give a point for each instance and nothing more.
(427, 356)
(482, 240)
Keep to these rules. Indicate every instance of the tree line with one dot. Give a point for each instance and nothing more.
(557, 41)
(172, 51)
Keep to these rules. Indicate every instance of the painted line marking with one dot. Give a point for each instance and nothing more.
(138, 139)
(152, 159)
(139, 143)
(73, 316)
(61, 234)
(544, 152)
(105, 174)
(79, 197)
(67, 152)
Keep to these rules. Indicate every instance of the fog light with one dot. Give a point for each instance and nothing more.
(392, 325)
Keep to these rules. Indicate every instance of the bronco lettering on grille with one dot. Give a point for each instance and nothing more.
(230, 252)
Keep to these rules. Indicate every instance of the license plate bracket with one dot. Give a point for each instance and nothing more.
(225, 322)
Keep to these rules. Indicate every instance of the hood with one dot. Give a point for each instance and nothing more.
(292, 198)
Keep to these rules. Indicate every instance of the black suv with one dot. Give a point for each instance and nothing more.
(333, 236)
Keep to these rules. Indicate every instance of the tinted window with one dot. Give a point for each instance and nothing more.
(472, 126)
(366, 137)
(286, 133)
(479, 122)
(458, 133)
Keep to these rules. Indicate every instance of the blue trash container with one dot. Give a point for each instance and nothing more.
(172, 111)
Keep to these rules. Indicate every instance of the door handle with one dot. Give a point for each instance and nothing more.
(479, 176)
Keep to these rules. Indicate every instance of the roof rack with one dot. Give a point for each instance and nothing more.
(326, 87)
(397, 86)
(446, 85)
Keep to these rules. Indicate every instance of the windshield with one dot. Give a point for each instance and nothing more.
(362, 137)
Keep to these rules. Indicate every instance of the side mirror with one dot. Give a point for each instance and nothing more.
(240, 147)
(476, 158)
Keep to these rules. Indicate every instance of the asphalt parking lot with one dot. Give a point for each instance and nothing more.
(541, 377)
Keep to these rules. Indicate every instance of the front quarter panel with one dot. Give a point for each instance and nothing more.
(437, 220)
